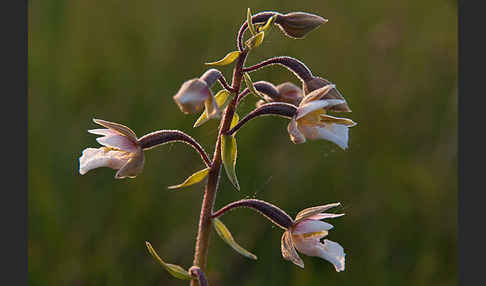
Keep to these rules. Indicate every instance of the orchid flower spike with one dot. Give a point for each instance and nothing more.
(305, 234)
(311, 121)
(121, 151)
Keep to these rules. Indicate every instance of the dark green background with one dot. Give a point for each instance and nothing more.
(394, 61)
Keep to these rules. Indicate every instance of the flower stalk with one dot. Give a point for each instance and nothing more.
(204, 230)
(306, 109)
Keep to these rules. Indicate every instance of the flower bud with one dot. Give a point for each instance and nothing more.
(191, 96)
(268, 90)
(286, 92)
(290, 93)
(298, 24)
(317, 83)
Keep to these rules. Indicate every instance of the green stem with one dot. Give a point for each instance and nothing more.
(205, 221)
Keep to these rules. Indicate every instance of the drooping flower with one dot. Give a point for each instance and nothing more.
(121, 151)
(305, 235)
(194, 95)
(311, 121)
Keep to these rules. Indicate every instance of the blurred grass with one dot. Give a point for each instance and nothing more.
(396, 64)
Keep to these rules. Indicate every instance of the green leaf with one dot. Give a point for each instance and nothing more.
(228, 59)
(268, 23)
(228, 154)
(235, 120)
(174, 270)
(255, 41)
(251, 87)
(251, 27)
(221, 100)
(225, 234)
(192, 179)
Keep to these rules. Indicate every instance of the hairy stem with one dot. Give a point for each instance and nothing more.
(161, 137)
(204, 231)
(294, 65)
(277, 108)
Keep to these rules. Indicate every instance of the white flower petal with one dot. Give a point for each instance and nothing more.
(334, 253)
(335, 133)
(311, 226)
(93, 158)
(329, 250)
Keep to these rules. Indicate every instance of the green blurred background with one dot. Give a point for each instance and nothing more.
(394, 61)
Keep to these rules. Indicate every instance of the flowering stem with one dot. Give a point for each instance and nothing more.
(294, 65)
(224, 84)
(202, 241)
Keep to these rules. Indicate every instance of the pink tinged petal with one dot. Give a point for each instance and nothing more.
(311, 226)
(324, 216)
(295, 135)
(119, 142)
(318, 93)
(121, 129)
(306, 108)
(336, 133)
(334, 253)
(102, 157)
(104, 132)
(288, 250)
(305, 213)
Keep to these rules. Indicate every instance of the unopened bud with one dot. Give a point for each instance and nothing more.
(298, 24)
(316, 83)
(290, 93)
